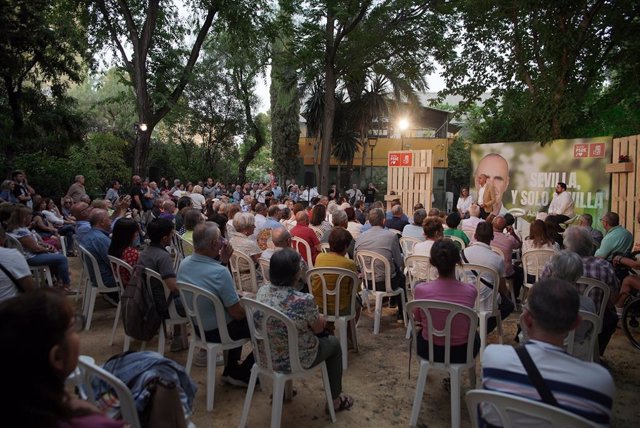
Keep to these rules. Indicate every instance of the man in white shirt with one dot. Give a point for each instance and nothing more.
(561, 207)
(354, 194)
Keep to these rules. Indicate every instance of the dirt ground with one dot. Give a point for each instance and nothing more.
(380, 378)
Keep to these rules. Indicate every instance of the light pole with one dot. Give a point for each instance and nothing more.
(372, 144)
(403, 125)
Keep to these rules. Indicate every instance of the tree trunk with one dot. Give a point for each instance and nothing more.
(316, 168)
(329, 103)
(14, 97)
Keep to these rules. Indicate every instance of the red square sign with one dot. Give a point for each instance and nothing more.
(596, 150)
(580, 150)
(399, 159)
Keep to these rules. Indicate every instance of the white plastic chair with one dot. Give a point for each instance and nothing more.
(370, 263)
(187, 247)
(508, 281)
(127, 404)
(457, 240)
(243, 270)
(91, 291)
(451, 311)
(537, 259)
(297, 243)
(597, 291)
(324, 247)
(318, 231)
(474, 274)
(119, 266)
(174, 317)
(340, 278)
(419, 269)
(196, 300)
(178, 249)
(510, 408)
(259, 318)
(590, 344)
(406, 244)
(264, 267)
(41, 274)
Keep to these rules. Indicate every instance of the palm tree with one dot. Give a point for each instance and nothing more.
(313, 113)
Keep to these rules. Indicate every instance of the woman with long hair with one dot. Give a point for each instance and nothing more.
(539, 238)
(123, 239)
(317, 220)
(41, 331)
(35, 250)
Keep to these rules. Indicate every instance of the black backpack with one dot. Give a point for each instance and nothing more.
(140, 316)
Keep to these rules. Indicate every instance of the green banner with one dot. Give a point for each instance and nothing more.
(525, 174)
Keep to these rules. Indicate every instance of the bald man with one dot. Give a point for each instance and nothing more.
(81, 211)
(495, 170)
(303, 231)
(506, 240)
(96, 241)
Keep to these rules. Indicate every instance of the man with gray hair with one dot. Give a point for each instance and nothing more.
(578, 239)
(385, 243)
(586, 221)
(398, 220)
(76, 190)
(415, 230)
(205, 269)
(617, 240)
(580, 387)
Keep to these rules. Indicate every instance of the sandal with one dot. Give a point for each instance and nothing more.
(346, 402)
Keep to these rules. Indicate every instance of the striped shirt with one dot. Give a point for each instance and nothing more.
(583, 388)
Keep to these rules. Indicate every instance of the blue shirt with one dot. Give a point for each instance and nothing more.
(210, 275)
(271, 223)
(97, 242)
(82, 228)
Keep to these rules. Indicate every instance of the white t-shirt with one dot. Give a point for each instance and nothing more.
(15, 263)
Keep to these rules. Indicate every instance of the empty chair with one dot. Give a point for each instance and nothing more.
(426, 309)
(480, 276)
(512, 410)
(195, 300)
(128, 409)
(261, 318)
(243, 270)
(370, 263)
(174, 318)
(333, 281)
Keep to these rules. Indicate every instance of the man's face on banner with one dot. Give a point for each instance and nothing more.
(496, 168)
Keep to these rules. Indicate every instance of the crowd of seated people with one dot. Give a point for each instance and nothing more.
(260, 219)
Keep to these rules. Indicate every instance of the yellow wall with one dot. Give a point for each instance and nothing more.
(385, 145)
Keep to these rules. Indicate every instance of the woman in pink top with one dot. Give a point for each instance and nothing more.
(444, 257)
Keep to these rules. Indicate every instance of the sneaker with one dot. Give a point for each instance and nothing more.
(235, 382)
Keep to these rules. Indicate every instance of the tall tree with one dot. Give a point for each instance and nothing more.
(285, 100)
(352, 36)
(541, 60)
(159, 47)
(41, 51)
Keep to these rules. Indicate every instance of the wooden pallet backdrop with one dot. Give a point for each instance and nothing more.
(411, 184)
(625, 181)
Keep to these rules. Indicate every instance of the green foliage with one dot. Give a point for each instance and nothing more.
(543, 61)
(100, 160)
(285, 102)
(459, 171)
(49, 175)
